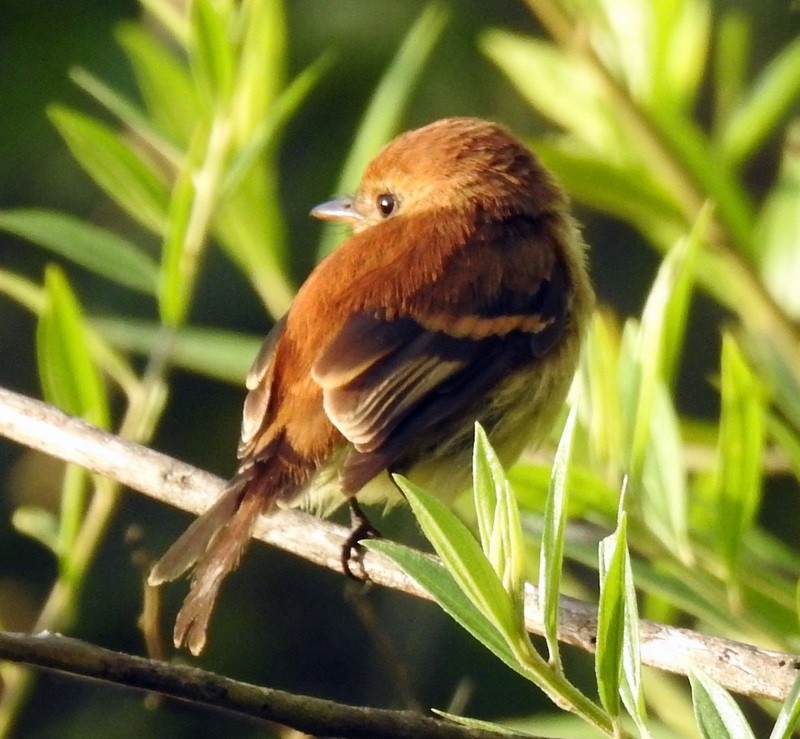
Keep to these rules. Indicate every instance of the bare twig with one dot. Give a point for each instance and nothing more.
(304, 713)
(739, 667)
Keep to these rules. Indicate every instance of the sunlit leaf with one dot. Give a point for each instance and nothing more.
(96, 249)
(115, 166)
(716, 713)
(551, 554)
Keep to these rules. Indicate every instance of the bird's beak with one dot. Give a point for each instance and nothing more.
(340, 209)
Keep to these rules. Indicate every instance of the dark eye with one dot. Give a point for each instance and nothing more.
(386, 204)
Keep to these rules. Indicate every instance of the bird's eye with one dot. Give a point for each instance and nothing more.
(386, 204)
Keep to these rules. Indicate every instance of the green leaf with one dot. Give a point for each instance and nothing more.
(600, 405)
(266, 132)
(21, 290)
(769, 99)
(557, 84)
(498, 520)
(262, 64)
(716, 713)
(100, 251)
(115, 166)
(127, 113)
(164, 81)
(39, 524)
(68, 375)
(631, 689)
(741, 446)
(475, 723)
(217, 353)
(681, 39)
(790, 711)
(463, 558)
(664, 492)
(190, 213)
(382, 118)
(551, 553)
(436, 580)
(488, 478)
(210, 49)
(611, 617)
(620, 189)
(778, 229)
(731, 59)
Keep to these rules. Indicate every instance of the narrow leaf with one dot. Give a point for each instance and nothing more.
(463, 558)
(210, 49)
(166, 85)
(37, 523)
(551, 556)
(447, 593)
(217, 353)
(716, 713)
(769, 99)
(115, 166)
(790, 711)
(741, 445)
(611, 617)
(68, 375)
(100, 251)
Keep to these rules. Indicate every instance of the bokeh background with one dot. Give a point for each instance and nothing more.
(280, 622)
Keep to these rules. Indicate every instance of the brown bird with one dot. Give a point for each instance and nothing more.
(461, 296)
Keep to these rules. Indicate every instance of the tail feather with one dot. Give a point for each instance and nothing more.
(213, 545)
(193, 543)
(222, 555)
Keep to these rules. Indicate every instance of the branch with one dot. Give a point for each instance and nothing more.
(739, 667)
(310, 715)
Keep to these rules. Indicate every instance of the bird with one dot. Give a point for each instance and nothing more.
(462, 296)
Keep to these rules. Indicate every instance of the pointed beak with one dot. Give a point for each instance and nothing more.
(340, 209)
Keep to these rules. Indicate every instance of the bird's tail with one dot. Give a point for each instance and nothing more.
(213, 545)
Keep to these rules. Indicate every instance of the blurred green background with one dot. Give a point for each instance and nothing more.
(279, 622)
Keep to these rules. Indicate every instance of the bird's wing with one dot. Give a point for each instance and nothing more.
(255, 414)
(385, 382)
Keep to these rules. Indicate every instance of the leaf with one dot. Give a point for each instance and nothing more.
(778, 229)
(96, 249)
(164, 81)
(190, 211)
(716, 713)
(461, 554)
(217, 353)
(128, 114)
(436, 580)
(681, 41)
(611, 617)
(769, 99)
(498, 520)
(740, 450)
(790, 711)
(551, 556)
(387, 105)
(265, 134)
(622, 190)
(115, 166)
(68, 375)
(39, 524)
(262, 65)
(210, 49)
(558, 84)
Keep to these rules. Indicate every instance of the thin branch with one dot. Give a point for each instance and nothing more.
(304, 713)
(739, 667)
